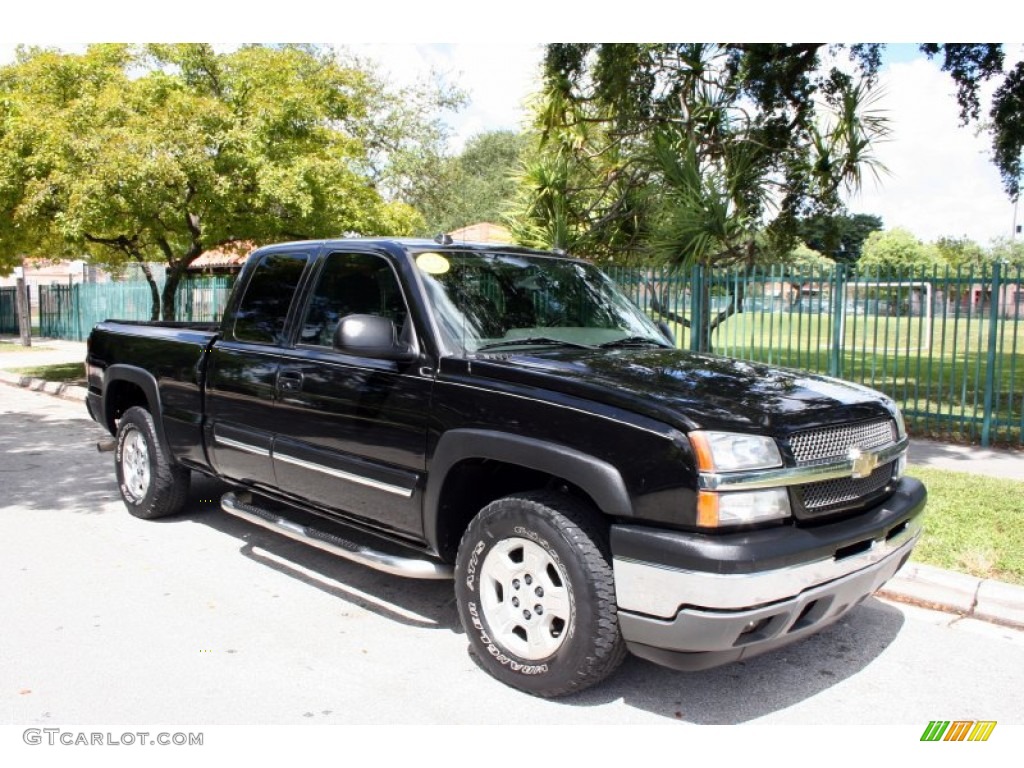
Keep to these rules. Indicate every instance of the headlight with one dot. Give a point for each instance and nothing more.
(901, 425)
(741, 507)
(732, 452)
(729, 452)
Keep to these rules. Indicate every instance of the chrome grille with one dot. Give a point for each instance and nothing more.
(829, 495)
(824, 445)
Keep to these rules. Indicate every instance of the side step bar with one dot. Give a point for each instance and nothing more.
(413, 568)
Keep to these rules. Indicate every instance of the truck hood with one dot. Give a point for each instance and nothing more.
(690, 390)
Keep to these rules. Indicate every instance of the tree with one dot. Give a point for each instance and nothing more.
(695, 154)
(840, 236)
(896, 252)
(1010, 253)
(800, 259)
(962, 253)
(157, 154)
(473, 186)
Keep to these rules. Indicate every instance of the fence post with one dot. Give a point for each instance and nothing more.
(76, 302)
(990, 357)
(835, 357)
(696, 310)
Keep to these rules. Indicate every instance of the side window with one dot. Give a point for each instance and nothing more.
(261, 314)
(351, 284)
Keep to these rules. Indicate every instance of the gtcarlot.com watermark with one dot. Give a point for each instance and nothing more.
(55, 736)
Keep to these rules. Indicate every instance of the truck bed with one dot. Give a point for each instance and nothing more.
(168, 357)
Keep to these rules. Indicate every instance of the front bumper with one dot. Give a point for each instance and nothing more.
(693, 601)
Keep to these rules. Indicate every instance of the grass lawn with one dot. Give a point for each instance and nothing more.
(973, 524)
(15, 347)
(66, 372)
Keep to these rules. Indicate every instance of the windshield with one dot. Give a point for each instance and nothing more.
(492, 300)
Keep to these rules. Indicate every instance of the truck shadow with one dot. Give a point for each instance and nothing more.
(735, 693)
(746, 690)
(412, 602)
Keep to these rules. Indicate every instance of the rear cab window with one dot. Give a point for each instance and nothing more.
(262, 313)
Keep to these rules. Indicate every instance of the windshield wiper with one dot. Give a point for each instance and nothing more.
(546, 341)
(634, 341)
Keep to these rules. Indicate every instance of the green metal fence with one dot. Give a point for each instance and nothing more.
(947, 345)
(9, 310)
(71, 311)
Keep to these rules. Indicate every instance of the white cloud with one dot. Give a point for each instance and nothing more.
(496, 77)
(942, 180)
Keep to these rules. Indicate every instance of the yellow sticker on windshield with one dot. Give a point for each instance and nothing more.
(433, 263)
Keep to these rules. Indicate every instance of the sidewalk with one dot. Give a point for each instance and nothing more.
(916, 583)
(42, 352)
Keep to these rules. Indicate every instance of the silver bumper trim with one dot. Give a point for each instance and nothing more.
(772, 478)
(658, 591)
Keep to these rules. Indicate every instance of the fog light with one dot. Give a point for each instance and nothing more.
(754, 626)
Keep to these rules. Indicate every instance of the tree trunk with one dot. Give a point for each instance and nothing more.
(154, 289)
(175, 271)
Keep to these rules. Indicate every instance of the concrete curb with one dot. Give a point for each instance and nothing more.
(56, 388)
(950, 592)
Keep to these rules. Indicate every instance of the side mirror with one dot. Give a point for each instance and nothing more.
(371, 336)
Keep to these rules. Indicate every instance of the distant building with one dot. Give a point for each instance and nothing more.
(483, 232)
(226, 260)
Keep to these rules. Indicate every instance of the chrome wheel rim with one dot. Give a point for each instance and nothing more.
(135, 465)
(525, 599)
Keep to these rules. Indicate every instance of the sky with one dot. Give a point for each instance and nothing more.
(940, 181)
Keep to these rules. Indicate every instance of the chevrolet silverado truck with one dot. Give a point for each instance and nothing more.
(507, 418)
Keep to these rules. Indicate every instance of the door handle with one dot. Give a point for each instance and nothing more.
(289, 381)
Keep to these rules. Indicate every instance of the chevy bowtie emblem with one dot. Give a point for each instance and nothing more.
(863, 463)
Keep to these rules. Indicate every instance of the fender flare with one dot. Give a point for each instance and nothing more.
(599, 479)
(147, 383)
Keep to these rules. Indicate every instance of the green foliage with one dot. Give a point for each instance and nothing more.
(840, 236)
(162, 152)
(962, 253)
(474, 186)
(896, 251)
(1008, 252)
(800, 259)
(686, 153)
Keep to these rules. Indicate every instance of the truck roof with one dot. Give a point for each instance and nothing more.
(421, 244)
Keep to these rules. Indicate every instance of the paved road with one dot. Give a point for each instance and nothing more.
(202, 619)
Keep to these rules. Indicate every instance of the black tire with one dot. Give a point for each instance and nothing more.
(574, 642)
(151, 485)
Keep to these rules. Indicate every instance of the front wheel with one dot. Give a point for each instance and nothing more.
(151, 485)
(536, 594)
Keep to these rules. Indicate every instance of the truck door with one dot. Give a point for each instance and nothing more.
(351, 431)
(242, 373)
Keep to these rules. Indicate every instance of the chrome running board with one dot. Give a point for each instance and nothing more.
(397, 565)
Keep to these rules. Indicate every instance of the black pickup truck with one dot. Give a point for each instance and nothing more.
(506, 417)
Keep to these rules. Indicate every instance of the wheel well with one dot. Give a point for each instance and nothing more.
(472, 484)
(122, 395)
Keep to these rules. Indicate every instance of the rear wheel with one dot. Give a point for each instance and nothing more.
(151, 485)
(536, 594)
